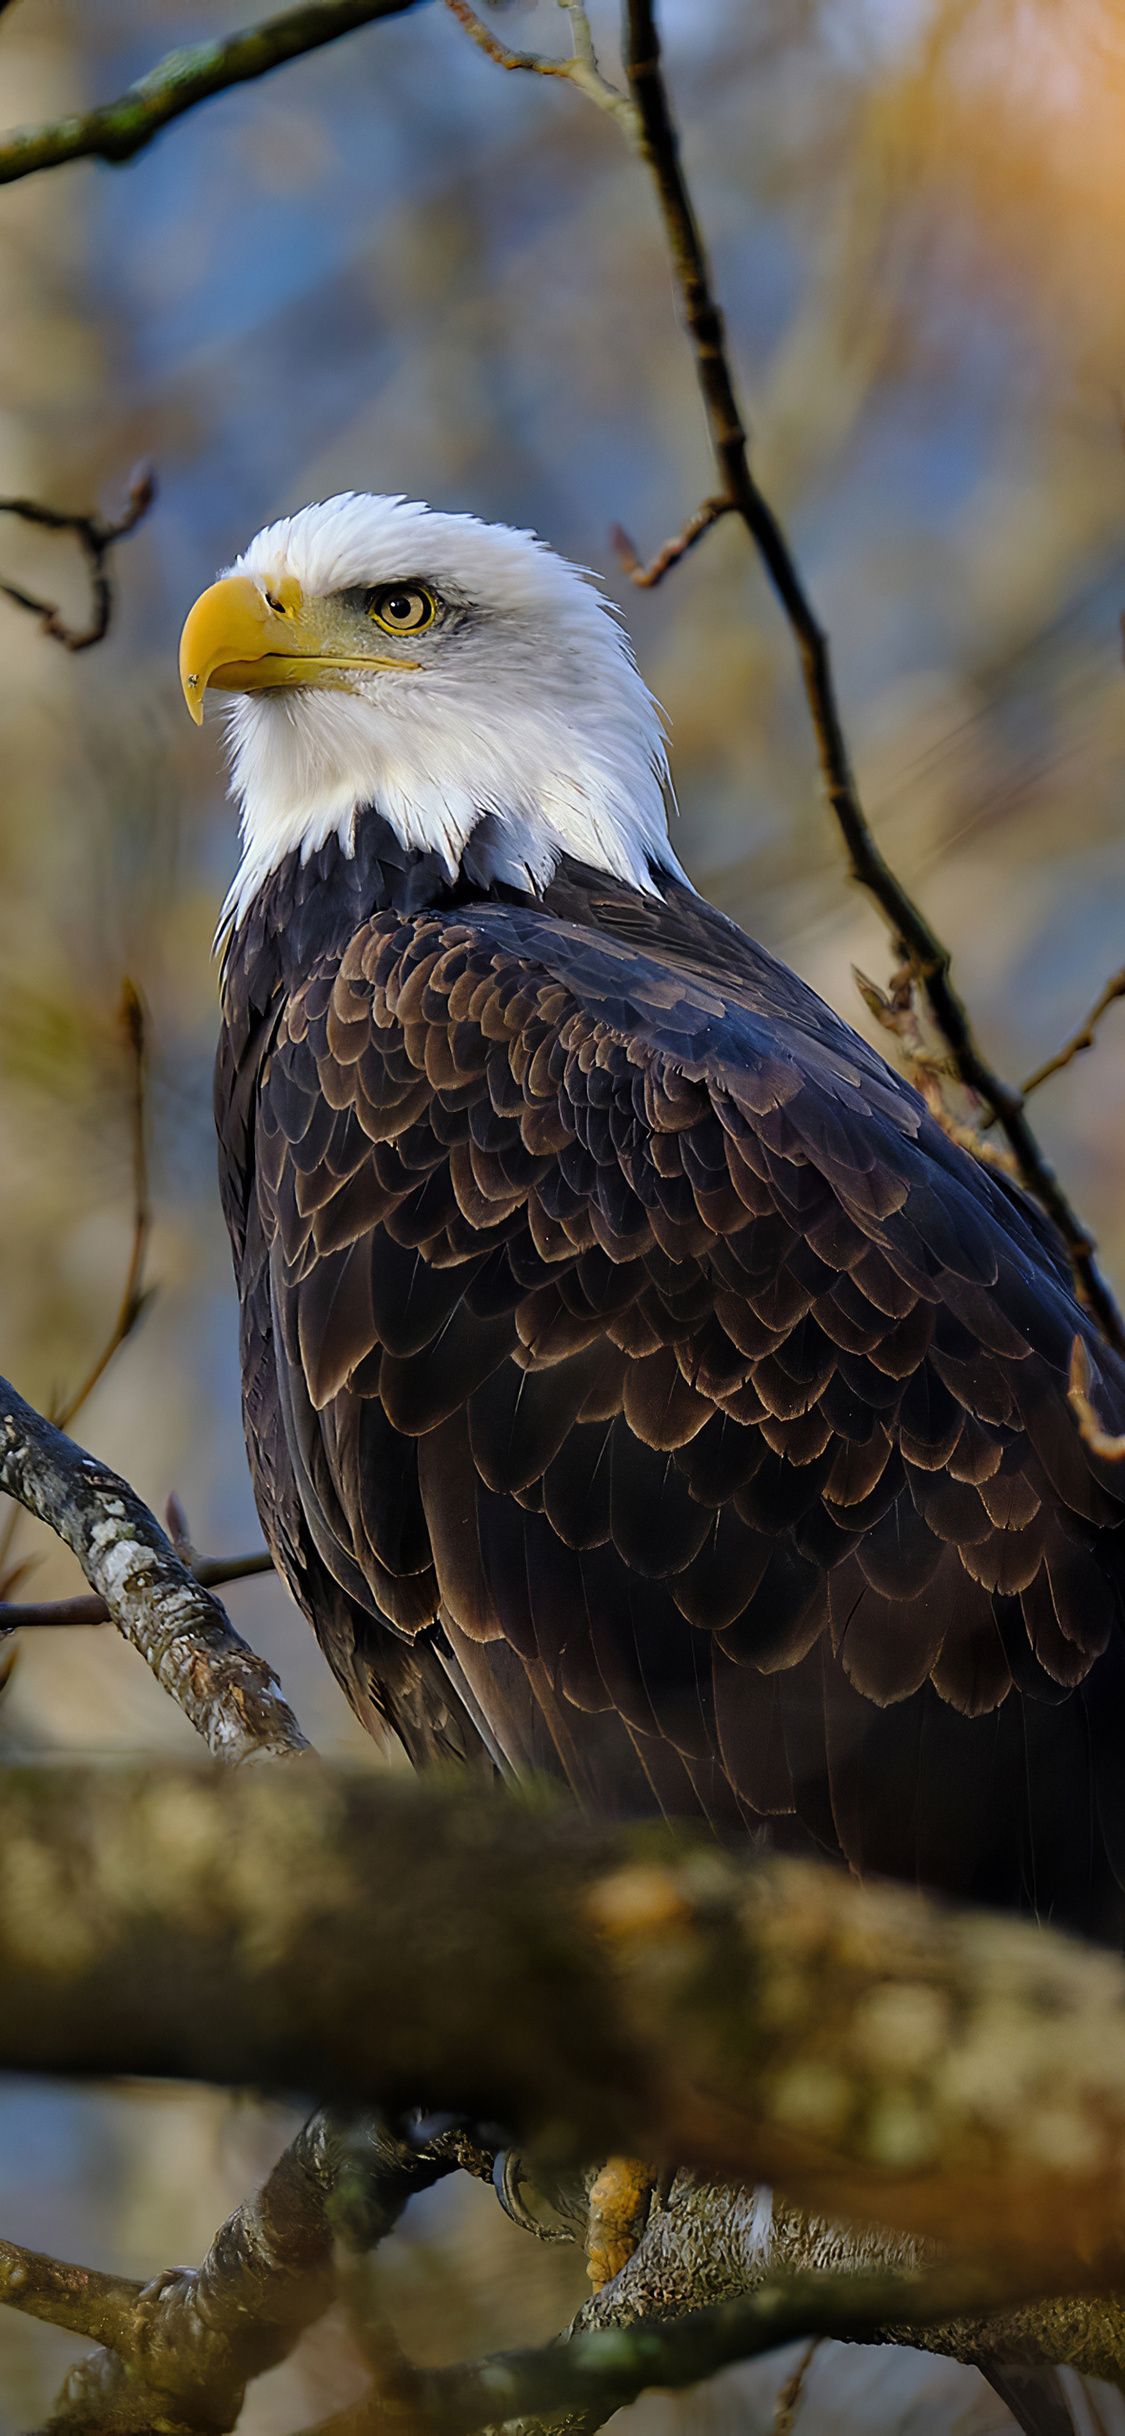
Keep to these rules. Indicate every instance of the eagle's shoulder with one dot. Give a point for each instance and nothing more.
(632, 1317)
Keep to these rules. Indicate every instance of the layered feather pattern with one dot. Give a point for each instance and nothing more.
(640, 1384)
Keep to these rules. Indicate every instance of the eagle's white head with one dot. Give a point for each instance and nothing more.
(446, 671)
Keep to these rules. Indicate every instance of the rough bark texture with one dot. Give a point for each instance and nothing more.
(230, 1695)
(876, 2056)
(711, 2244)
(180, 2351)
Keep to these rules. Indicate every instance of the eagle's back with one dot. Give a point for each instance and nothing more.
(640, 1384)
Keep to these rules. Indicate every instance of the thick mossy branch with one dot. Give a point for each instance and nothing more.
(874, 2055)
(182, 80)
(230, 1695)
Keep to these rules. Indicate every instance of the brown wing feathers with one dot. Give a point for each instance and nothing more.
(644, 1325)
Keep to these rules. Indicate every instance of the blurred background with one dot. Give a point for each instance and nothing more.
(391, 267)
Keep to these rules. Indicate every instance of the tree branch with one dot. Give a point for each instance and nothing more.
(650, 127)
(594, 2374)
(645, 577)
(580, 69)
(1082, 1039)
(119, 129)
(874, 2055)
(710, 2243)
(913, 934)
(880, 2055)
(180, 2351)
(37, 1615)
(229, 1694)
(182, 2348)
(96, 536)
(133, 1295)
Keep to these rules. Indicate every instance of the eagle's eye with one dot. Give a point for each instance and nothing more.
(402, 608)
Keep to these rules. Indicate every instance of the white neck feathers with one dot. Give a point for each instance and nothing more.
(529, 712)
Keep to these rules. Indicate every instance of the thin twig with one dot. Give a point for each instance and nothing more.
(1082, 1039)
(134, 1297)
(580, 69)
(96, 535)
(35, 1615)
(646, 576)
(789, 2395)
(653, 130)
(912, 933)
(929, 1064)
(181, 80)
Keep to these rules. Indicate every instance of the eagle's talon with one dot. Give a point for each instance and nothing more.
(507, 2180)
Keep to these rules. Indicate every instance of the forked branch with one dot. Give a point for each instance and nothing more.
(645, 577)
(580, 68)
(652, 129)
(178, 2353)
(133, 1294)
(1080, 1040)
(95, 536)
(913, 935)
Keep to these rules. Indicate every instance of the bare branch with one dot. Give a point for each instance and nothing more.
(182, 2348)
(133, 1298)
(596, 2373)
(651, 127)
(580, 69)
(646, 576)
(83, 2299)
(213, 1572)
(913, 934)
(789, 2395)
(183, 79)
(229, 1694)
(96, 536)
(1082, 1039)
(903, 1009)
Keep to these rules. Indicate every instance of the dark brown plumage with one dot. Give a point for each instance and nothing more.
(640, 1384)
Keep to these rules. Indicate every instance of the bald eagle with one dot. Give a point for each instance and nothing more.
(639, 1385)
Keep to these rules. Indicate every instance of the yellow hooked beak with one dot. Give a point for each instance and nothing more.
(241, 639)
